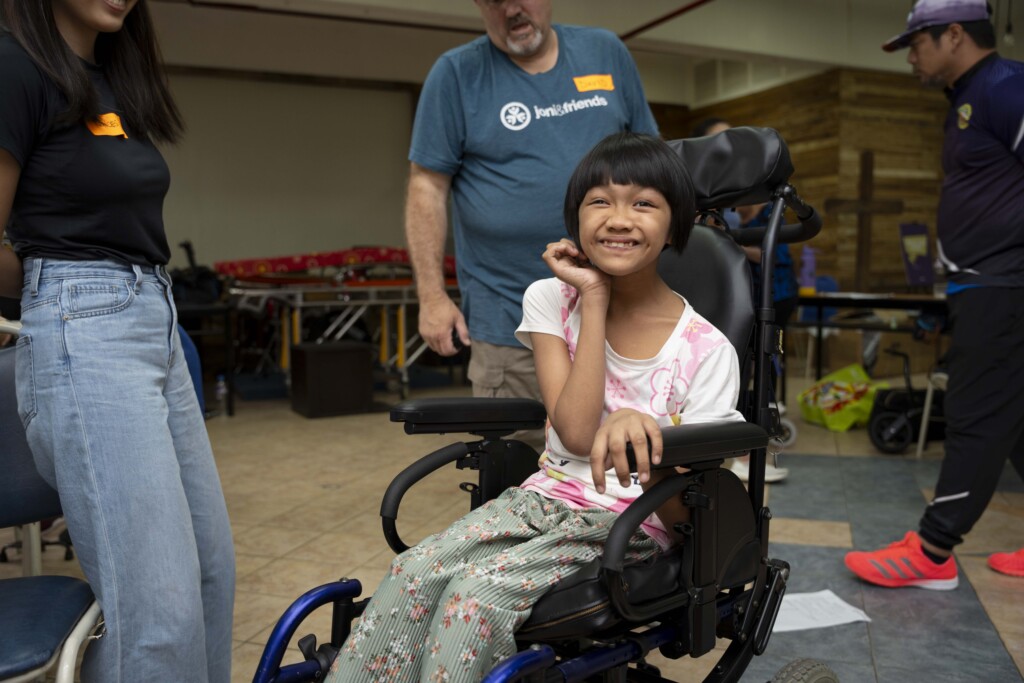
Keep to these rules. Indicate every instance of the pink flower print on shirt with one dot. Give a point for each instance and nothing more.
(695, 329)
(572, 296)
(569, 292)
(665, 398)
(616, 395)
(615, 388)
(570, 343)
(700, 351)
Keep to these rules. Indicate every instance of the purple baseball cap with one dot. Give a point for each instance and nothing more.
(928, 13)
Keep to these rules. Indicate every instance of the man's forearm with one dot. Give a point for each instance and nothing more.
(426, 229)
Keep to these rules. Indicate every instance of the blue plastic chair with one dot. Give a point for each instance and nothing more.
(44, 620)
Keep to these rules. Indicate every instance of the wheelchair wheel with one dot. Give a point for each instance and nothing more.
(805, 671)
(891, 432)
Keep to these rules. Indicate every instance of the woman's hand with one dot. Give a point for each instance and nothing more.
(625, 426)
(570, 265)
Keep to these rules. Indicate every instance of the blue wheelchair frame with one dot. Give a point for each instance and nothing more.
(689, 621)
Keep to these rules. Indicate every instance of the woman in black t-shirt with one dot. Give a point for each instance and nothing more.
(103, 390)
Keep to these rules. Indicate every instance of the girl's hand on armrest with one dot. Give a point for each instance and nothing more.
(624, 427)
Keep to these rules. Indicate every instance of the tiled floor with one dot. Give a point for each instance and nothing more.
(303, 496)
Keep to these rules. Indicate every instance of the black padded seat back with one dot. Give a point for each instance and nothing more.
(713, 275)
(25, 496)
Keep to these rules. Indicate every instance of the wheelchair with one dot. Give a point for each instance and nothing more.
(719, 582)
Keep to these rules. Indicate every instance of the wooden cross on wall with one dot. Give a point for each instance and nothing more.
(865, 206)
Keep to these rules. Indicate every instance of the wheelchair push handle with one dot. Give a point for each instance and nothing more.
(808, 227)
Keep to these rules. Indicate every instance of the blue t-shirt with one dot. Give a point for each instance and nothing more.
(981, 212)
(510, 140)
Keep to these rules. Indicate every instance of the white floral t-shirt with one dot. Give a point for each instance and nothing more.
(694, 378)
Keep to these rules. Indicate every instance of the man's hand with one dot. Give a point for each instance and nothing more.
(439, 317)
(625, 426)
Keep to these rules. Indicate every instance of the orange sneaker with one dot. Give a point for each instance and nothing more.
(1008, 563)
(903, 564)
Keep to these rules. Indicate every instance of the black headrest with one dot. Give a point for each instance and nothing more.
(736, 167)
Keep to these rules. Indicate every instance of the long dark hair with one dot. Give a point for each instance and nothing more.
(131, 61)
(634, 159)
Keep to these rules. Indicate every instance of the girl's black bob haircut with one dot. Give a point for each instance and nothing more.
(634, 159)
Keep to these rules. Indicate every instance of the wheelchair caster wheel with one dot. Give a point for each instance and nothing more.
(787, 434)
(805, 671)
(891, 432)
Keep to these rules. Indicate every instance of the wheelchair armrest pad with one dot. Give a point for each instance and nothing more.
(688, 444)
(469, 415)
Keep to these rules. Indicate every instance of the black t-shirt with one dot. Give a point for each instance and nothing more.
(88, 190)
(981, 211)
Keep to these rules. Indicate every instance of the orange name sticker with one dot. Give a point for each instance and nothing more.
(594, 82)
(107, 124)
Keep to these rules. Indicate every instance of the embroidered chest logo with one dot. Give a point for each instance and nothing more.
(964, 116)
(515, 116)
(107, 125)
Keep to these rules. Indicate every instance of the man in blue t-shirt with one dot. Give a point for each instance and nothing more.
(501, 123)
(981, 243)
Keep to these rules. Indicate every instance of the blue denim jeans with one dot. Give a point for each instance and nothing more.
(113, 423)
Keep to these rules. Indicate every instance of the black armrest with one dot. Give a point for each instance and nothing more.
(469, 415)
(687, 445)
(405, 480)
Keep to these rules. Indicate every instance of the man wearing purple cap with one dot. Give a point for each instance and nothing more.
(981, 243)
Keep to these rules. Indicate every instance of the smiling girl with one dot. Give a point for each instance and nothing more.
(619, 356)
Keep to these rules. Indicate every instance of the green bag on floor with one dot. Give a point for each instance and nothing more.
(840, 400)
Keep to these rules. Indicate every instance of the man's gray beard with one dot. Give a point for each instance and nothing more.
(526, 48)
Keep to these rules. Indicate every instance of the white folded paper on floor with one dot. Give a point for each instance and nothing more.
(801, 611)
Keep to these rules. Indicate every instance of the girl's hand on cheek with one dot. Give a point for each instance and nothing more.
(570, 265)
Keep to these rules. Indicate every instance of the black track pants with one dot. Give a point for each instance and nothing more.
(984, 409)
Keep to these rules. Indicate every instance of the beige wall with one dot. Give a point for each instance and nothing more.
(270, 169)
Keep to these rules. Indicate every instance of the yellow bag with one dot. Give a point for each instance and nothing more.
(840, 400)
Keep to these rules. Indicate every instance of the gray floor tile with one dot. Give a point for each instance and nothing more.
(950, 630)
(981, 674)
(875, 525)
(847, 643)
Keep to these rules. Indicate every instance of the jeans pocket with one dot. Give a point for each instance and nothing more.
(84, 297)
(25, 380)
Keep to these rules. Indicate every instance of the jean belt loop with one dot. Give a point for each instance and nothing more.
(37, 270)
(138, 276)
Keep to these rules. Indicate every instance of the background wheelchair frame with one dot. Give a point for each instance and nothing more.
(726, 584)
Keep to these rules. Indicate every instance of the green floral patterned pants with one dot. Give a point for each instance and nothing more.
(448, 610)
